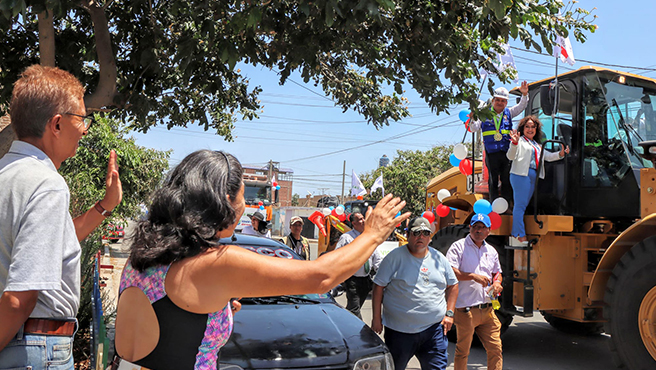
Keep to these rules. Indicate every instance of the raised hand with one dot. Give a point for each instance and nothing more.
(382, 220)
(524, 88)
(113, 187)
(514, 136)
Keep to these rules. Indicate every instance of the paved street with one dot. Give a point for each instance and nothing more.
(531, 343)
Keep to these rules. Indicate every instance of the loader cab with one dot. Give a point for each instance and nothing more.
(602, 115)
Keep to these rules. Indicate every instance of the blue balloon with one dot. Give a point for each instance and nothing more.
(455, 162)
(261, 208)
(463, 115)
(278, 187)
(453, 208)
(331, 208)
(482, 206)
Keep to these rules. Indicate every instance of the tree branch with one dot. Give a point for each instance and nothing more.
(46, 38)
(106, 90)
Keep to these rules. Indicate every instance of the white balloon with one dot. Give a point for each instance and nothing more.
(326, 211)
(499, 205)
(460, 151)
(339, 210)
(443, 193)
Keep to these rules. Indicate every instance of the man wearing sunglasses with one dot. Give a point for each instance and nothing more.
(476, 264)
(418, 290)
(39, 241)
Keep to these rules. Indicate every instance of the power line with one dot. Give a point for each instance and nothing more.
(589, 61)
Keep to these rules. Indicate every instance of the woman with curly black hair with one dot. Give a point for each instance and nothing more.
(174, 305)
(524, 152)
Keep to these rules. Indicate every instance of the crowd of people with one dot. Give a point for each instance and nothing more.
(175, 309)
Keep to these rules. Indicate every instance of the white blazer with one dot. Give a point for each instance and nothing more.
(521, 154)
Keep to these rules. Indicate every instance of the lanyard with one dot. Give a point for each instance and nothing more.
(535, 148)
(497, 120)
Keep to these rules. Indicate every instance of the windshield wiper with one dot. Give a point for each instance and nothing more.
(623, 125)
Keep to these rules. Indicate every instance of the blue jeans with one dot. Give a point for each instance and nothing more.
(430, 346)
(38, 352)
(523, 187)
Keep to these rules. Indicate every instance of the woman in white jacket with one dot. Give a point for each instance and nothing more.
(524, 152)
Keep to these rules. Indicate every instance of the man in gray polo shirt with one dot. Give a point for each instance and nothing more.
(39, 241)
(418, 290)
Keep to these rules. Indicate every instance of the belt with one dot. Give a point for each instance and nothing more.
(49, 327)
(479, 306)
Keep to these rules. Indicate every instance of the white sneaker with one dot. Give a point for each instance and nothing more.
(514, 242)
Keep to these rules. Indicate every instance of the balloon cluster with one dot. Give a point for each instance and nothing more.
(500, 205)
(459, 159)
(441, 209)
(275, 185)
(335, 211)
(261, 204)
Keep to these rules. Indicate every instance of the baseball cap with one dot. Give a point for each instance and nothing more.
(296, 219)
(481, 217)
(419, 224)
(501, 92)
(258, 215)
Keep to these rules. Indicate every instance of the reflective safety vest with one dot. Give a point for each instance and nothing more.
(489, 130)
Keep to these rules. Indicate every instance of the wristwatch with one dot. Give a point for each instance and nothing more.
(102, 210)
(449, 313)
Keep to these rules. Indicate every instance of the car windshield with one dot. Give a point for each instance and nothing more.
(277, 250)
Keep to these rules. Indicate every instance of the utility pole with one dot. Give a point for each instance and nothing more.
(343, 180)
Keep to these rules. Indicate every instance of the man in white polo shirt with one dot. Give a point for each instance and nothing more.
(39, 241)
(476, 264)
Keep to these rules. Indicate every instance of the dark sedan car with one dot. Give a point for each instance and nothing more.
(298, 332)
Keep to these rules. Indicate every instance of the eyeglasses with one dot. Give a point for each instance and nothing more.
(421, 232)
(88, 120)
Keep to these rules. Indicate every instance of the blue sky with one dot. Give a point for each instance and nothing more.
(298, 121)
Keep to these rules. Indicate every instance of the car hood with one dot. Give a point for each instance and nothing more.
(298, 336)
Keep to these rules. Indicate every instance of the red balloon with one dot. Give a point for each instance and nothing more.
(465, 167)
(442, 210)
(334, 213)
(495, 220)
(342, 217)
(429, 216)
(360, 197)
(260, 203)
(274, 184)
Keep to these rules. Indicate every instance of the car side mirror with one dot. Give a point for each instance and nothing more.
(547, 98)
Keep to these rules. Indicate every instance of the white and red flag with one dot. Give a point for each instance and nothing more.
(563, 50)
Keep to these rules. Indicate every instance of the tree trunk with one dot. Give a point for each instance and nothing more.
(106, 90)
(46, 39)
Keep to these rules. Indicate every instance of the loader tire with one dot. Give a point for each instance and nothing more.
(631, 307)
(442, 241)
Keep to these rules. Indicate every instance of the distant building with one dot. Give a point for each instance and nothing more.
(384, 161)
(284, 177)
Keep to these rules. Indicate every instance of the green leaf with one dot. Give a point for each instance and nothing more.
(330, 15)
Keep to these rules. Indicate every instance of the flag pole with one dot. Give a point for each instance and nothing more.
(555, 107)
(477, 97)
